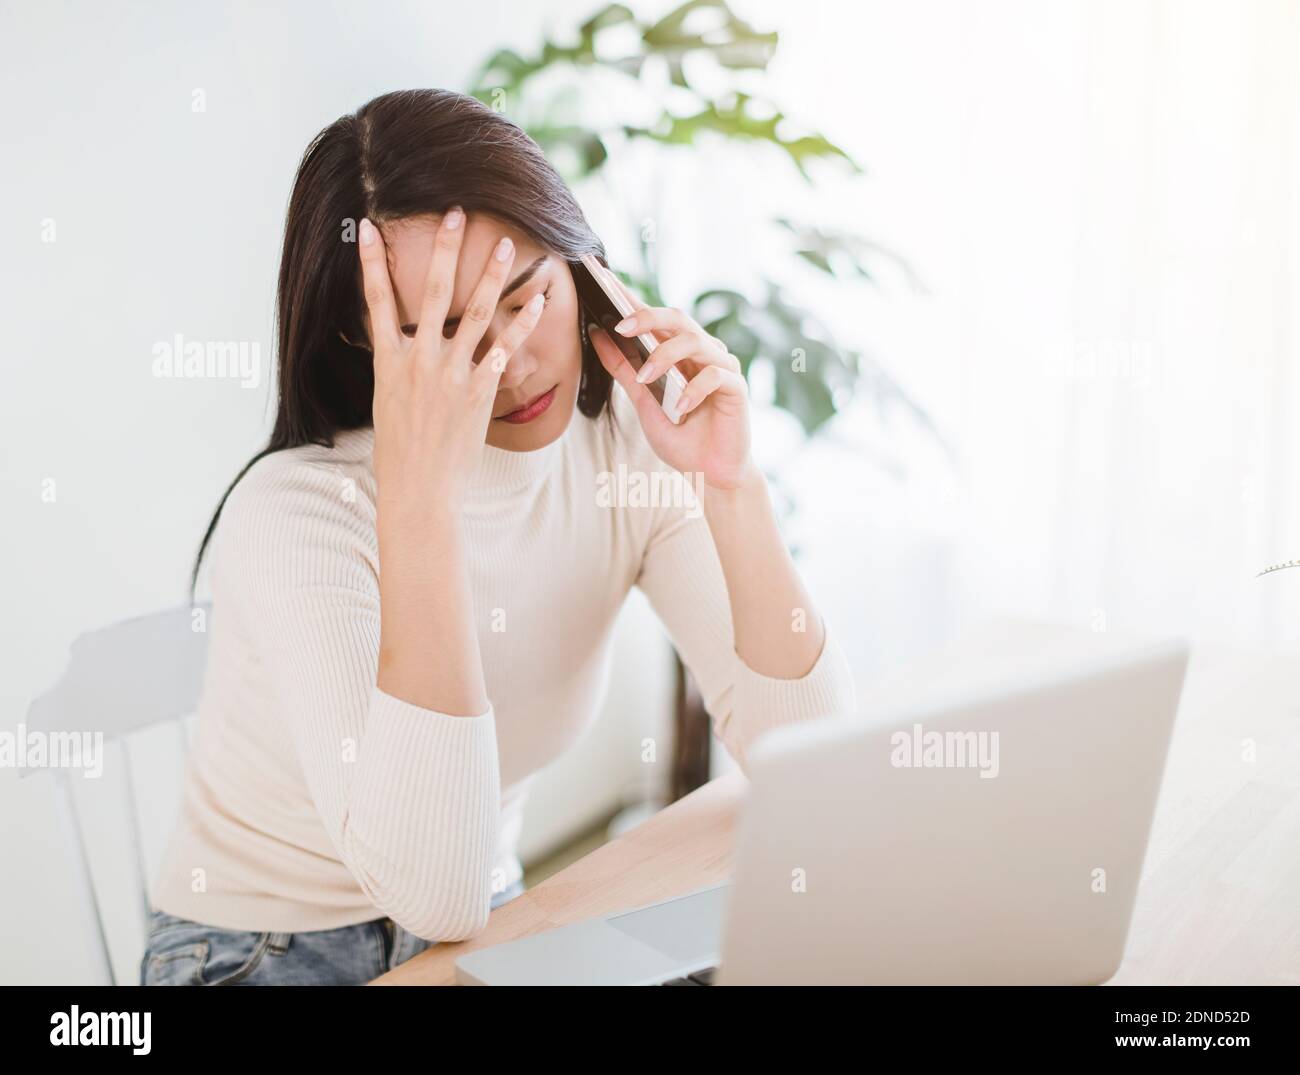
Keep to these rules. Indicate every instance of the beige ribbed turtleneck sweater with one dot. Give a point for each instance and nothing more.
(315, 800)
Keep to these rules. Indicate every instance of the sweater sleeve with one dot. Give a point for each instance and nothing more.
(410, 797)
(682, 577)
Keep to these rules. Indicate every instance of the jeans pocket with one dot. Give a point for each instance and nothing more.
(174, 965)
(233, 957)
(180, 952)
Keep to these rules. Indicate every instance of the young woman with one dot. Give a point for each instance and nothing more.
(414, 584)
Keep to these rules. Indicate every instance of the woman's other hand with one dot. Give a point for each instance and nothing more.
(712, 437)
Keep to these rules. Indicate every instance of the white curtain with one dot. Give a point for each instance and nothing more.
(1103, 199)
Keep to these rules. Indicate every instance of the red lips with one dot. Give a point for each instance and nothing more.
(530, 410)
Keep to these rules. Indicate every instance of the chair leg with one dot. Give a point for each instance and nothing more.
(83, 882)
(133, 823)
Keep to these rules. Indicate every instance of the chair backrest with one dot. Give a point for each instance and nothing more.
(119, 680)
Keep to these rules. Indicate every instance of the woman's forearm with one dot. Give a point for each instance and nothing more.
(428, 647)
(778, 632)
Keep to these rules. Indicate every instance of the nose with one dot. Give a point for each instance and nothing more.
(522, 366)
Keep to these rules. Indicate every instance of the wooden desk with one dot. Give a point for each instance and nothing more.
(1220, 898)
(685, 846)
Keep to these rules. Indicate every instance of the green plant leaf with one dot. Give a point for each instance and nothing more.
(737, 121)
(731, 41)
(826, 248)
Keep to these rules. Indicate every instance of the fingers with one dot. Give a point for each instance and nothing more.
(441, 281)
(675, 350)
(709, 381)
(504, 346)
(378, 287)
(689, 351)
(659, 319)
(663, 330)
(674, 323)
(483, 302)
(637, 303)
(647, 407)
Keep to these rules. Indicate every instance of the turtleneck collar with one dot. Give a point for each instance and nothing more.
(501, 472)
(498, 472)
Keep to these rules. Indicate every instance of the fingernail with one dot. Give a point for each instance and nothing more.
(453, 218)
(624, 326)
(535, 303)
(367, 232)
(591, 328)
(643, 374)
(503, 248)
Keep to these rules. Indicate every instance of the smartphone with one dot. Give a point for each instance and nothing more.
(604, 303)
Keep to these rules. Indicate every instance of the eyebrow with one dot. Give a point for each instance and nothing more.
(513, 286)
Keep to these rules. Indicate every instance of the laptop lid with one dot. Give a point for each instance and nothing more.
(990, 831)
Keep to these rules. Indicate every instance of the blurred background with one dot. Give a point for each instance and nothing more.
(1015, 284)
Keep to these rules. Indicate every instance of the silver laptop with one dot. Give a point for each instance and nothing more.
(986, 825)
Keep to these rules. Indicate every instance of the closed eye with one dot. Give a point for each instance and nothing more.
(546, 301)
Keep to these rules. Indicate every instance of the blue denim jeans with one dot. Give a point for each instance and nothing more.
(180, 952)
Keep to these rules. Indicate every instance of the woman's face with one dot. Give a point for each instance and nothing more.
(539, 387)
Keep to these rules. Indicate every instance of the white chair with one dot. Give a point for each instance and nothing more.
(120, 680)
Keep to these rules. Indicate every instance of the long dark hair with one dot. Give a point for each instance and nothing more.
(404, 154)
